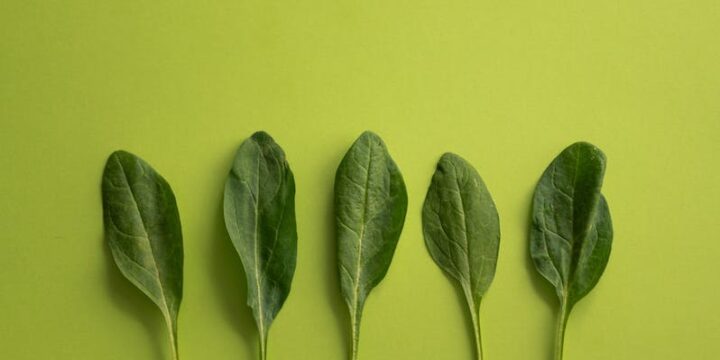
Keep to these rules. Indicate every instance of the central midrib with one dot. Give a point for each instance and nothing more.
(261, 315)
(362, 231)
(591, 219)
(566, 283)
(586, 231)
(465, 227)
(147, 236)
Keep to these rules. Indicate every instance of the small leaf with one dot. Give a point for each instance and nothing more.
(142, 227)
(462, 230)
(370, 207)
(259, 207)
(571, 231)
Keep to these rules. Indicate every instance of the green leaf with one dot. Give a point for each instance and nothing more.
(571, 231)
(370, 207)
(142, 227)
(462, 230)
(259, 207)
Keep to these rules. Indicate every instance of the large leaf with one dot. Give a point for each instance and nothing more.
(370, 207)
(462, 230)
(571, 232)
(260, 218)
(142, 227)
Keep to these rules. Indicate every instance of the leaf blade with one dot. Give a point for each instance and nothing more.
(143, 231)
(594, 255)
(259, 211)
(566, 205)
(571, 232)
(370, 208)
(461, 230)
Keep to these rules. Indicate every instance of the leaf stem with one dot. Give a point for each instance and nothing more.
(355, 325)
(478, 338)
(175, 354)
(475, 315)
(263, 347)
(560, 331)
(173, 338)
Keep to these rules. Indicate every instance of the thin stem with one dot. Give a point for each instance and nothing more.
(263, 347)
(175, 354)
(560, 331)
(475, 315)
(173, 339)
(478, 338)
(355, 325)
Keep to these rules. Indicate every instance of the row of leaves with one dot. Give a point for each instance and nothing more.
(570, 236)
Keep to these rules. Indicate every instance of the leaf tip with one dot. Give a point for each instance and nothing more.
(587, 147)
(371, 136)
(369, 133)
(451, 157)
(262, 137)
(121, 154)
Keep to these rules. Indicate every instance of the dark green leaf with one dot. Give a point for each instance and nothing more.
(370, 207)
(260, 218)
(571, 232)
(142, 227)
(462, 230)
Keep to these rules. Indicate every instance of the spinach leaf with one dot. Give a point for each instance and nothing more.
(462, 231)
(571, 232)
(259, 207)
(142, 228)
(370, 207)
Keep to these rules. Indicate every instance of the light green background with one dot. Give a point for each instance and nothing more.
(506, 84)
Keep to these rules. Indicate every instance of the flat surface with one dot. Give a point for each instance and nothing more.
(505, 84)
